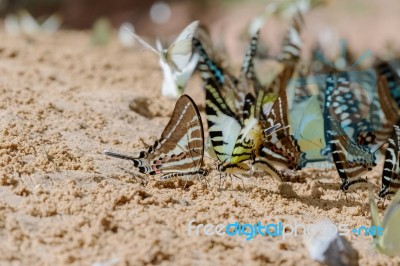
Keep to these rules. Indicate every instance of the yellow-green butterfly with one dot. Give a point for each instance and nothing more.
(388, 242)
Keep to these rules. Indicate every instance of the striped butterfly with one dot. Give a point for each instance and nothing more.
(290, 54)
(234, 143)
(341, 104)
(351, 159)
(232, 89)
(388, 242)
(180, 149)
(351, 111)
(391, 171)
(279, 149)
(224, 128)
(251, 135)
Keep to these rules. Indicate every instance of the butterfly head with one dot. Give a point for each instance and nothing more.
(204, 172)
(222, 167)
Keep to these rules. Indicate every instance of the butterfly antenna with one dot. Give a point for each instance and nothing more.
(362, 57)
(119, 155)
(376, 147)
(220, 178)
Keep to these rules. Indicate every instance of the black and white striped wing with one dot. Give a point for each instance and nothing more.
(210, 69)
(223, 125)
(290, 54)
(180, 149)
(390, 174)
(351, 160)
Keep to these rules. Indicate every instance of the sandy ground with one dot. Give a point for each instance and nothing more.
(62, 202)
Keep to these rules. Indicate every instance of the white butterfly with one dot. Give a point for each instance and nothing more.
(179, 53)
(175, 82)
(177, 62)
(24, 23)
(389, 242)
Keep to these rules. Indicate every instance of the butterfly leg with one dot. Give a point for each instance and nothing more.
(142, 181)
(241, 179)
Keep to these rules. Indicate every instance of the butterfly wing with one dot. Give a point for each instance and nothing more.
(279, 148)
(169, 87)
(28, 24)
(389, 242)
(308, 127)
(248, 82)
(51, 24)
(250, 136)
(290, 54)
(223, 125)
(210, 69)
(179, 52)
(390, 175)
(180, 148)
(351, 160)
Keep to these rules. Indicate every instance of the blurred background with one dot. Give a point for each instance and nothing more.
(366, 24)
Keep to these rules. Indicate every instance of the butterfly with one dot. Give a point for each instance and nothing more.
(233, 89)
(178, 54)
(341, 104)
(388, 242)
(24, 23)
(351, 111)
(351, 159)
(391, 171)
(177, 61)
(290, 53)
(180, 149)
(279, 148)
(223, 127)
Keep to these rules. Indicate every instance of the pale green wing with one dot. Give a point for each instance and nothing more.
(389, 243)
(308, 127)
